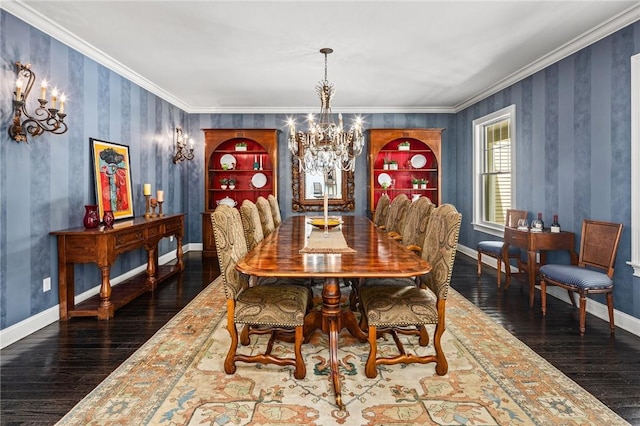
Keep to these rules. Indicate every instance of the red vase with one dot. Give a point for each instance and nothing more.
(108, 219)
(91, 218)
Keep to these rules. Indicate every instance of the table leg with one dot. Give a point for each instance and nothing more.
(531, 266)
(152, 250)
(105, 309)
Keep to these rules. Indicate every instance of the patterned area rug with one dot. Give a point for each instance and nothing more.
(177, 378)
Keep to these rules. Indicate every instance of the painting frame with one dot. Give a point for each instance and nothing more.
(111, 165)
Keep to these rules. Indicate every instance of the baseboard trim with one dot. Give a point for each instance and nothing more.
(40, 320)
(623, 320)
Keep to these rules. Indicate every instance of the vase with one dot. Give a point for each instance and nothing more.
(108, 219)
(91, 217)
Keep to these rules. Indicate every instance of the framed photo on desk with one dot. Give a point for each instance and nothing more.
(112, 178)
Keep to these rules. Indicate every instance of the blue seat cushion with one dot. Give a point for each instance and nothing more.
(574, 276)
(495, 247)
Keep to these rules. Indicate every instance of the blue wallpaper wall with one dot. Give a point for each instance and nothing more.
(573, 147)
(572, 156)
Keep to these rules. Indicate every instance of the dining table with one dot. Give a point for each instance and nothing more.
(353, 250)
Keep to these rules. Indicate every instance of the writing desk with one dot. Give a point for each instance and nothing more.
(377, 255)
(534, 242)
(102, 247)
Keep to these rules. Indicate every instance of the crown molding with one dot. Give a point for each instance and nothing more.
(41, 22)
(624, 18)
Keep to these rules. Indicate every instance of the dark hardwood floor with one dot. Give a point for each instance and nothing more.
(45, 374)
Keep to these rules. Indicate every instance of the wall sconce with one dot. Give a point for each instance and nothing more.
(184, 146)
(43, 119)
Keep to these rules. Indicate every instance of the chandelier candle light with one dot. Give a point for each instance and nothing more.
(326, 146)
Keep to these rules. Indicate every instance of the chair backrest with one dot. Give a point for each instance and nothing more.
(382, 210)
(266, 217)
(599, 245)
(513, 216)
(275, 210)
(251, 223)
(397, 213)
(415, 225)
(439, 249)
(231, 247)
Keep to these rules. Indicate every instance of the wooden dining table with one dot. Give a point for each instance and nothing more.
(376, 255)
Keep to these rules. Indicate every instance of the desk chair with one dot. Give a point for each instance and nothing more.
(594, 272)
(494, 248)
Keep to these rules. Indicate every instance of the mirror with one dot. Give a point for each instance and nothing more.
(307, 189)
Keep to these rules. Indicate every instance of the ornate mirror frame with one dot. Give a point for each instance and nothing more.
(302, 204)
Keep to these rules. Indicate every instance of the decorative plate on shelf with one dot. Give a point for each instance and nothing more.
(384, 179)
(418, 161)
(229, 160)
(259, 180)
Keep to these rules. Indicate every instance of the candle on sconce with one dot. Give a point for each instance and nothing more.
(63, 99)
(54, 97)
(18, 90)
(43, 90)
(146, 189)
(160, 195)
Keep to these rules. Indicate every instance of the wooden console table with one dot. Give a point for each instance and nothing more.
(534, 242)
(102, 247)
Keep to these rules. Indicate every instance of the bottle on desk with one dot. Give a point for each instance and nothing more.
(537, 225)
(555, 226)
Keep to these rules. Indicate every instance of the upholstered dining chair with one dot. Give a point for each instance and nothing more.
(494, 248)
(266, 309)
(266, 217)
(415, 224)
(594, 272)
(382, 210)
(397, 215)
(251, 224)
(406, 308)
(275, 210)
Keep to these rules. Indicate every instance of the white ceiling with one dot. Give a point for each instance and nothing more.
(263, 56)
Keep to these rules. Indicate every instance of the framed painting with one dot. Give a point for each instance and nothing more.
(112, 178)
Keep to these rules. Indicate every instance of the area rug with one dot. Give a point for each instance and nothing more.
(177, 378)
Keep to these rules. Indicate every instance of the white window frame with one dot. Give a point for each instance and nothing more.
(479, 125)
(635, 165)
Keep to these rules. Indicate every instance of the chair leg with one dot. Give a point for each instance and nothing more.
(370, 367)
(301, 368)
(229, 362)
(583, 312)
(612, 325)
(479, 263)
(543, 296)
(572, 298)
(499, 271)
(441, 361)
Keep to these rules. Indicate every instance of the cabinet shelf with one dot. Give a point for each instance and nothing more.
(383, 146)
(262, 149)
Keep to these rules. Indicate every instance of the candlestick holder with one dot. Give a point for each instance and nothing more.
(154, 204)
(147, 210)
(160, 214)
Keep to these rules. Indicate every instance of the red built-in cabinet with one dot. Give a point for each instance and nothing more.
(253, 153)
(400, 157)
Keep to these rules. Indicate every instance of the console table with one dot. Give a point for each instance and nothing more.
(102, 247)
(534, 242)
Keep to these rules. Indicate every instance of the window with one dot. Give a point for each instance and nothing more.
(494, 169)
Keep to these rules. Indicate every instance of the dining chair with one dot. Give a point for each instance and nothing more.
(275, 210)
(274, 310)
(494, 248)
(415, 224)
(406, 308)
(397, 214)
(382, 210)
(266, 217)
(251, 224)
(594, 271)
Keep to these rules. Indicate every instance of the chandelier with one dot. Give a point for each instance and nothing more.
(326, 145)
